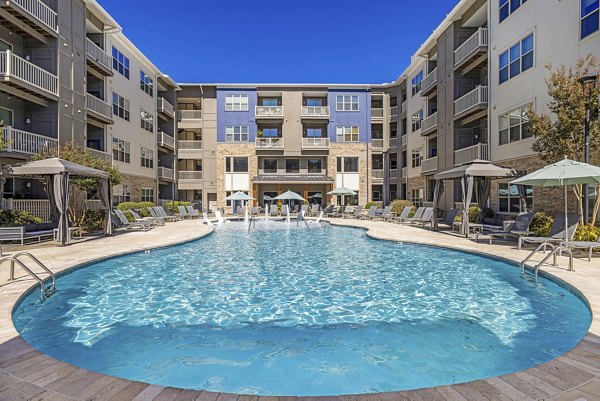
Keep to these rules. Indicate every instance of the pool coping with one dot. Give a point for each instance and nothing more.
(26, 373)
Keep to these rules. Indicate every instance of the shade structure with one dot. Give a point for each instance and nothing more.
(289, 195)
(476, 168)
(561, 174)
(342, 191)
(55, 165)
(239, 196)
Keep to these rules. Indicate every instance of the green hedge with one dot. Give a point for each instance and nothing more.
(474, 213)
(587, 233)
(369, 204)
(13, 218)
(541, 224)
(172, 205)
(140, 208)
(398, 206)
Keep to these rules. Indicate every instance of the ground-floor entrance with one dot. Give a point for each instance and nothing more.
(312, 193)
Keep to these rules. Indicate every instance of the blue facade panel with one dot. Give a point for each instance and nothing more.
(360, 118)
(236, 118)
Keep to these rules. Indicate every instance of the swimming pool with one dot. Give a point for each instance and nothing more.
(286, 310)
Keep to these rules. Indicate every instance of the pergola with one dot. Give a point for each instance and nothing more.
(57, 173)
(474, 175)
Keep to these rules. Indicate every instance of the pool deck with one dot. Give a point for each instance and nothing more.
(27, 374)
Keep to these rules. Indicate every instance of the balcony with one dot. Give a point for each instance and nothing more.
(393, 143)
(377, 174)
(393, 112)
(429, 83)
(97, 59)
(189, 180)
(269, 112)
(376, 114)
(27, 143)
(377, 143)
(473, 104)
(189, 119)
(429, 125)
(429, 165)
(481, 151)
(315, 112)
(104, 156)
(269, 143)
(165, 140)
(393, 174)
(403, 108)
(29, 17)
(283, 171)
(163, 106)
(25, 79)
(189, 149)
(315, 143)
(165, 173)
(99, 110)
(473, 52)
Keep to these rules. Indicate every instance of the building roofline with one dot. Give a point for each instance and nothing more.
(284, 85)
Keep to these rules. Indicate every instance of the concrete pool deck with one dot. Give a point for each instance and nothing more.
(27, 374)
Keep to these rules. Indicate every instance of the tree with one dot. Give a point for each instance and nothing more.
(562, 133)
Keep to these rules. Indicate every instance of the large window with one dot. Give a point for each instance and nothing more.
(147, 157)
(315, 166)
(517, 59)
(507, 7)
(236, 103)
(270, 132)
(146, 83)
(121, 151)
(346, 134)
(509, 200)
(6, 116)
(416, 196)
(515, 125)
(120, 63)
(347, 164)
(314, 132)
(416, 83)
(120, 106)
(292, 165)
(590, 17)
(236, 133)
(314, 102)
(346, 103)
(146, 120)
(417, 120)
(270, 166)
(122, 194)
(147, 194)
(417, 158)
(240, 165)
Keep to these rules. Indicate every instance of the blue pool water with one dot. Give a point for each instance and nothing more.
(295, 311)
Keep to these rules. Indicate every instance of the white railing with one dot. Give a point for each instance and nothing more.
(376, 113)
(393, 174)
(429, 123)
(99, 106)
(315, 143)
(165, 139)
(165, 172)
(301, 171)
(377, 174)
(269, 143)
(477, 97)
(404, 172)
(470, 46)
(393, 143)
(26, 142)
(430, 164)
(12, 65)
(377, 143)
(403, 140)
(192, 145)
(315, 111)
(269, 111)
(189, 175)
(39, 11)
(37, 207)
(107, 157)
(393, 111)
(163, 105)
(97, 53)
(403, 107)
(189, 115)
(480, 151)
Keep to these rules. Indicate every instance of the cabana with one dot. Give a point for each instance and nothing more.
(474, 175)
(57, 173)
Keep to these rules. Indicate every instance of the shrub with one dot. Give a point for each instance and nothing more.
(541, 224)
(369, 204)
(587, 233)
(474, 213)
(93, 220)
(13, 218)
(172, 205)
(398, 206)
(139, 207)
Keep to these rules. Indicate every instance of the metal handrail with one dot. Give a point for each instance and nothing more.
(553, 253)
(40, 264)
(14, 260)
(536, 250)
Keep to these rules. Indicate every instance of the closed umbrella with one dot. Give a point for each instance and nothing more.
(343, 192)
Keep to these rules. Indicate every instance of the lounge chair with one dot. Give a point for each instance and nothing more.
(318, 220)
(183, 212)
(357, 212)
(206, 219)
(304, 209)
(583, 245)
(192, 212)
(448, 220)
(314, 209)
(144, 224)
(154, 220)
(328, 209)
(220, 219)
(371, 214)
(273, 210)
(386, 214)
(155, 215)
(160, 211)
(337, 213)
(519, 228)
(403, 215)
(254, 211)
(425, 218)
(415, 216)
(557, 231)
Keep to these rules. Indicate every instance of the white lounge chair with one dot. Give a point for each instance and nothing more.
(220, 219)
(314, 209)
(318, 220)
(206, 219)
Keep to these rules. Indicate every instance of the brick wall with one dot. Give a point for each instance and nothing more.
(136, 183)
(357, 150)
(234, 150)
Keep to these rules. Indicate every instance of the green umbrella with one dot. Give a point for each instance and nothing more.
(343, 192)
(289, 195)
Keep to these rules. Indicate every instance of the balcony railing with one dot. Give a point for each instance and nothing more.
(26, 142)
(480, 151)
(403, 140)
(404, 172)
(269, 143)
(393, 174)
(315, 143)
(269, 111)
(377, 174)
(393, 111)
(403, 107)
(478, 40)
(376, 113)
(393, 143)
(99, 106)
(107, 157)
(95, 52)
(189, 175)
(377, 143)
(430, 164)
(165, 140)
(429, 82)
(189, 115)
(164, 106)
(283, 171)
(477, 98)
(429, 124)
(166, 173)
(192, 145)
(40, 11)
(13, 66)
(315, 111)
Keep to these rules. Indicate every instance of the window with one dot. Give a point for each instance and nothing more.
(346, 134)
(416, 83)
(270, 102)
(270, 166)
(146, 83)
(314, 132)
(377, 192)
(292, 165)
(122, 194)
(590, 17)
(346, 103)
(236, 133)
(270, 132)
(240, 164)
(349, 164)
(517, 59)
(509, 200)
(236, 103)
(315, 166)
(146, 120)
(6, 116)
(120, 63)
(120, 106)
(417, 197)
(515, 125)
(121, 152)
(147, 194)
(314, 102)
(417, 119)
(507, 7)
(198, 165)
(432, 150)
(417, 158)
(147, 158)
(4, 46)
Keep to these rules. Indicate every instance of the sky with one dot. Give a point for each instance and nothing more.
(279, 41)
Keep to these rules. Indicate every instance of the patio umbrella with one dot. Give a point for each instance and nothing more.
(240, 196)
(343, 192)
(565, 172)
(289, 195)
